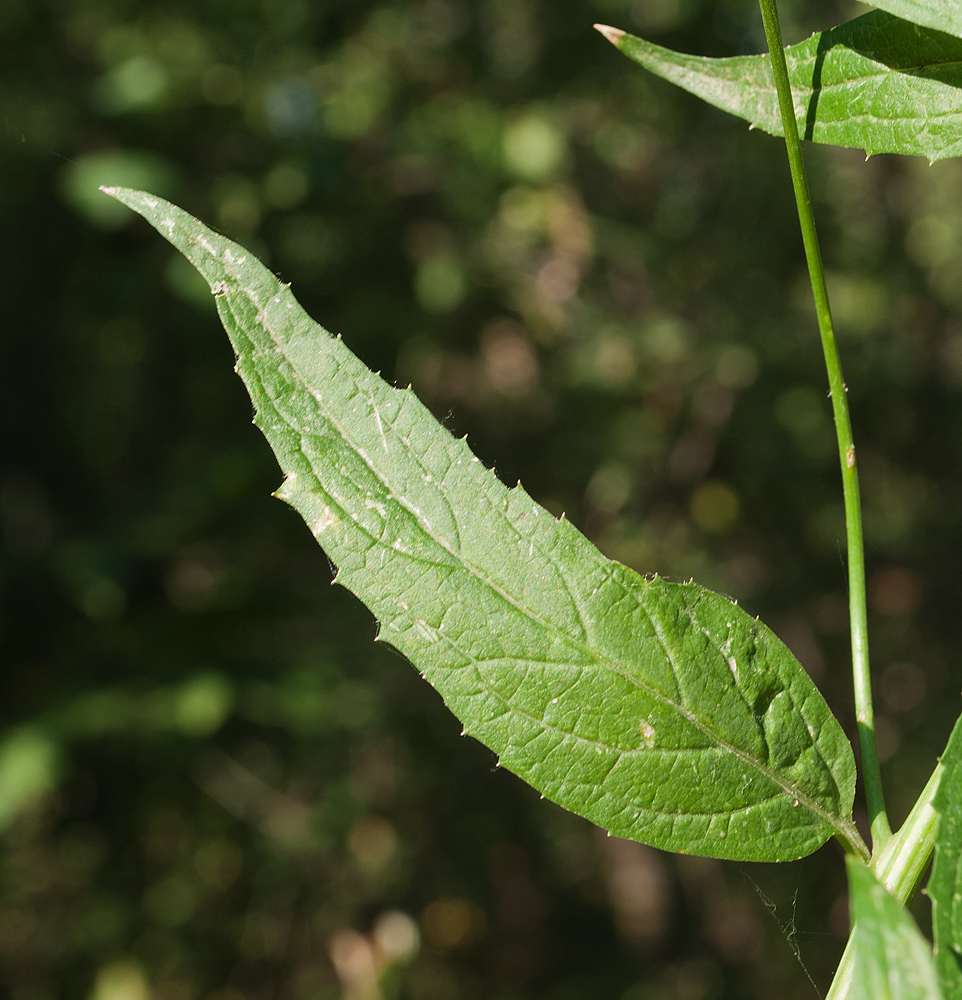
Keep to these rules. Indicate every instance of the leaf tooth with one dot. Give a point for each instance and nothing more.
(286, 489)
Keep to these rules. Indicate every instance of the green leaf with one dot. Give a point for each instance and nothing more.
(945, 883)
(876, 83)
(892, 959)
(660, 711)
(943, 15)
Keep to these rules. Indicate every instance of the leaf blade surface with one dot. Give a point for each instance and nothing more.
(892, 959)
(660, 711)
(943, 15)
(876, 83)
(945, 883)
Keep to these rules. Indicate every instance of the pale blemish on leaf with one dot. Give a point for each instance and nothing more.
(320, 524)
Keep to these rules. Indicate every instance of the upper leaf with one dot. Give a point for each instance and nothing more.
(945, 884)
(877, 83)
(660, 711)
(944, 15)
(892, 959)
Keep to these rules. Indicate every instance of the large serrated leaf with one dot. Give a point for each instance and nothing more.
(945, 883)
(892, 959)
(943, 15)
(660, 711)
(877, 83)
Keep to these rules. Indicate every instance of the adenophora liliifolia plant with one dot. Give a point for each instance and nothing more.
(660, 711)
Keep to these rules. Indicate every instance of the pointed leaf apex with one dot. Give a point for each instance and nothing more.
(112, 191)
(612, 34)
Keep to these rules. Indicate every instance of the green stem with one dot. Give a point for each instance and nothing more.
(902, 862)
(842, 982)
(843, 429)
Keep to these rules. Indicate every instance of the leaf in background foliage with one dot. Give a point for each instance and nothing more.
(876, 83)
(660, 711)
(29, 766)
(945, 883)
(943, 15)
(892, 959)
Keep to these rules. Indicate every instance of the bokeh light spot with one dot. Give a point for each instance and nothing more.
(453, 923)
(440, 283)
(533, 147)
(373, 841)
(714, 507)
(121, 980)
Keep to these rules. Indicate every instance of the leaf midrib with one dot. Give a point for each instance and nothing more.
(643, 751)
(834, 822)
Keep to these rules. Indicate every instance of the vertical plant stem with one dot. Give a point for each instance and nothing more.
(843, 429)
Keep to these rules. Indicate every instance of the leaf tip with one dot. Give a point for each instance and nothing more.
(614, 35)
(112, 191)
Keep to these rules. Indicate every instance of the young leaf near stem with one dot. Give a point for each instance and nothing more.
(892, 961)
(902, 863)
(945, 883)
(858, 616)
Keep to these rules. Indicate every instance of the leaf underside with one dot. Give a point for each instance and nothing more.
(943, 15)
(877, 83)
(660, 711)
(945, 883)
(892, 959)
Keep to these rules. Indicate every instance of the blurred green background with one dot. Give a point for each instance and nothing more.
(213, 786)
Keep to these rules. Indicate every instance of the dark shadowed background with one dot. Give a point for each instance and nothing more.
(213, 785)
